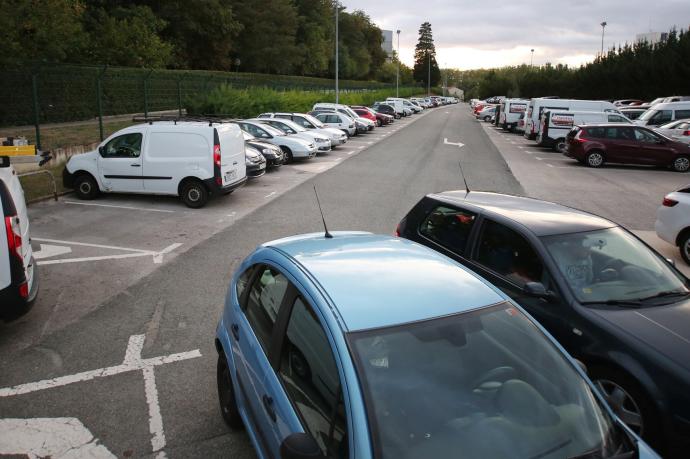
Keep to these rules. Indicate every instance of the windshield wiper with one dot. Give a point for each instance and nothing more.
(666, 294)
(633, 303)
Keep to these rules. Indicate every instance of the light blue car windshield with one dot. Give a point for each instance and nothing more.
(483, 384)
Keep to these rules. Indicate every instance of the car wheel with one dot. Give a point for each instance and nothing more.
(288, 154)
(681, 164)
(684, 245)
(226, 394)
(194, 194)
(85, 187)
(560, 146)
(625, 397)
(487, 119)
(594, 158)
(379, 123)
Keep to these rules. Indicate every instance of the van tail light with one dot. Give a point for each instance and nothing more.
(14, 242)
(668, 202)
(686, 132)
(216, 164)
(397, 230)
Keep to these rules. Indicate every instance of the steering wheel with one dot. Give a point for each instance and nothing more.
(610, 271)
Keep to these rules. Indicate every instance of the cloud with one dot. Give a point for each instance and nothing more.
(472, 34)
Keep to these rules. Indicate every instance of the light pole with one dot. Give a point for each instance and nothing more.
(397, 75)
(603, 27)
(337, 93)
(531, 59)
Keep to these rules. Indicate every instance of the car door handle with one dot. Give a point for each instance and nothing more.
(235, 331)
(135, 165)
(268, 406)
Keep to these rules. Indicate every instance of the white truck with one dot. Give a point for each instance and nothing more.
(511, 112)
(555, 125)
(538, 105)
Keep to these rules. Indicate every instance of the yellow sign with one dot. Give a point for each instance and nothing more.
(24, 150)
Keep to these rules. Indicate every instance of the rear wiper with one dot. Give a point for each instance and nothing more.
(665, 294)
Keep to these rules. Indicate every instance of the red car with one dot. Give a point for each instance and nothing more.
(379, 118)
(597, 144)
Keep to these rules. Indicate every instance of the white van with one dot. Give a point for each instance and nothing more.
(555, 125)
(399, 107)
(182, 158)
(663, 113)
(537, 106)
(18, 273)
(511, 112)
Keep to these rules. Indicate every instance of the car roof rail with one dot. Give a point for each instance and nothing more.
(205, 118)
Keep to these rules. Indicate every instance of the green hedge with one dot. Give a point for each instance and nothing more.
(248, 103)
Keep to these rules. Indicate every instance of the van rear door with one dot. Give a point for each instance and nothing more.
(229, 142)
(5, 272)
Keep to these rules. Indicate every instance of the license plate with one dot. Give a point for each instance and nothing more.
(230, 175)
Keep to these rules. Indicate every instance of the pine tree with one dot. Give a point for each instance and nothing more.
(424, 51)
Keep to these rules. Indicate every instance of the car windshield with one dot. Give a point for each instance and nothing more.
(486, 382)
(610, 265)
(314, 121)
(272, 130)
(293, 125)
(647, 114)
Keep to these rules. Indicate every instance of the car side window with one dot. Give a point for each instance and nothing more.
(662, 116)
(644, 136)
(626, 133)
(310, 376)
(616, 119)
(612, 133)
(449, 227)
(682, 114)
(123, 146)
(323, 118)
(507, 253)
(333, 119)
(265, 297)
(242, 282)
(302, 122)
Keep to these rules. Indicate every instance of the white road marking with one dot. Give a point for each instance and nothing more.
(232, 214)
(118, 207)
(457, 144)
(85, 259)
(86, 244)
(349, 153)
(270, 194)
(521, 148)
(157, 256)
(363, 146)
(49, 437)
(47, 251)
(131, 362)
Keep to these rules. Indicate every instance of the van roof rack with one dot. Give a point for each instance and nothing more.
(210, 119)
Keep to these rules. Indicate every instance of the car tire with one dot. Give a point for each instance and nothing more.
(681, 164)
(226, 395)
(379, 123)
(684, 245)
(85, 187)
(288, 154)
(628, 400)
(194, 194)
(594, 158)
(487, 119)
(560, 146)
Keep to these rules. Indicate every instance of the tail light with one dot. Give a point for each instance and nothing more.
(686, 132)
(14, 241)
(397, 230)
(668, 202)
(216, 164)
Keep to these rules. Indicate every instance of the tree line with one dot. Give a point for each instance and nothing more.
(295, 37)
(641, 70)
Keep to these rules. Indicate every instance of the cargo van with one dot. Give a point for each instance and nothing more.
(510, 113)
(538, 105)
(190, 159)
(398, 105)
(556, 124)
(663, 113)
(18, 273)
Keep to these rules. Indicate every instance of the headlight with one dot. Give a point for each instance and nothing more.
(267, 151)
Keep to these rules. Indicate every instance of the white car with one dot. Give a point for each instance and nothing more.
(412, 106)
(678, 130)
(293, 147)
(190, 159)
(338, 121)
(307, 121)
(321, 141)
(18, 273)
(673, 221)
(345, 110)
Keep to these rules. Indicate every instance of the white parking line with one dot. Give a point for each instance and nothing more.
(157, 256)
(85, 244)
(270, 194)
(118, 207)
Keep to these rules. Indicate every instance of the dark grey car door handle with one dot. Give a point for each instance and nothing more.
(135, 165)
(268, 406)
(235, 331)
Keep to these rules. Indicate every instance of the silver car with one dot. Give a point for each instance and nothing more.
(678, 130)
(310, 123)
(322, 142)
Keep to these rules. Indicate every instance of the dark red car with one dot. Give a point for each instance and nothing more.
(596, 144)
(380, 119)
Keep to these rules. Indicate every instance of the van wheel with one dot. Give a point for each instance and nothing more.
(85, 187)
(684, 245)
(288, 154)
(594, 158)
(681, 164)
(560, 146)
(194, 194)
(226, 394)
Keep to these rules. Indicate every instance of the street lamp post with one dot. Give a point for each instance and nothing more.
(397, 75)
(531, 59)
(603, 27)
(337, 92)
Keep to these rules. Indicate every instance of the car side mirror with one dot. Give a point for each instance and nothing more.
(535, 289)
(300, 446)
(101, 151)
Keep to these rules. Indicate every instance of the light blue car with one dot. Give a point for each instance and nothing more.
(366, 346)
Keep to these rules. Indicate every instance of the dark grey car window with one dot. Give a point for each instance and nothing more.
(265, 297)
(507, 253)
(681, 114)
(645, 136)
(124, 146)
(310, 375)
(449, 227)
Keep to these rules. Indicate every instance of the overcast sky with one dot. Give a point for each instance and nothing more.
(479, 33)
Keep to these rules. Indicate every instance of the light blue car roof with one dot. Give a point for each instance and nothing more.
(377, 281)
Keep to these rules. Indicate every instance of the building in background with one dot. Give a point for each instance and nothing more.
(651, 37)
(387, 44)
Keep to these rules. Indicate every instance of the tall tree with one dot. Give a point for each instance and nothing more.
(423, 53)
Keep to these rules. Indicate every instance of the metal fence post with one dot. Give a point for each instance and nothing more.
(34, 90)
(99, 95)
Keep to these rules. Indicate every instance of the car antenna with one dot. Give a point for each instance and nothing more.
(467, 187)
(327, 235)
